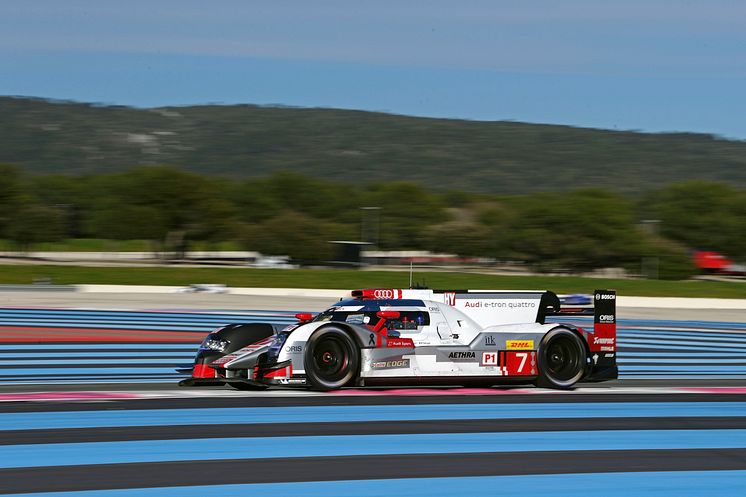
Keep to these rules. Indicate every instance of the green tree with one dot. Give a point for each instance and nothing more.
(466, 239)
(702, 215)
(407, 212)
(10, 192)
(580, 230)
(295, 234)
(119, 220)
(33, 223)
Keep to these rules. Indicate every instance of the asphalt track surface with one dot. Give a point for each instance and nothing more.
(671, 435)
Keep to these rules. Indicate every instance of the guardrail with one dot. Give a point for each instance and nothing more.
(39, 288)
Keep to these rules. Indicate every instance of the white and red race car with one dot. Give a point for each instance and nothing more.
(418, 337)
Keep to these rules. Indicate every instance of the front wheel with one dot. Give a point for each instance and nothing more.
(332, 359)
(561, 359)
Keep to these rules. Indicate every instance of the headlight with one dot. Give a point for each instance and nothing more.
(214, 343)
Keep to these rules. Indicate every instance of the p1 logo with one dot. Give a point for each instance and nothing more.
(489, 359)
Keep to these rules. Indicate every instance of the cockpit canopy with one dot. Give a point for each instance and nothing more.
(412, 313)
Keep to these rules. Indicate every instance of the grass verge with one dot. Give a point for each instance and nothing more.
(347, 279)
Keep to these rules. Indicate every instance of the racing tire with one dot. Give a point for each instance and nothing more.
(332, 359)
(561, 359)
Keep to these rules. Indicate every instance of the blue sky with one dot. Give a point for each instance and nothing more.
(654, 65)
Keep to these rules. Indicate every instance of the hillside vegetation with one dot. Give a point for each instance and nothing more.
(290, 214)
(243, 141)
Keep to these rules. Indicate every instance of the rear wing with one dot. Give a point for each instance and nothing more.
(602, 307)
(603, 310)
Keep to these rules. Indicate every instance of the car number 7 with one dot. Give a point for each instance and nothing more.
(523, 356)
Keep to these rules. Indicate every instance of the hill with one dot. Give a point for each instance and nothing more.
(353, 146)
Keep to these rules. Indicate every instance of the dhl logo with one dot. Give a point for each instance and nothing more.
(520, 344)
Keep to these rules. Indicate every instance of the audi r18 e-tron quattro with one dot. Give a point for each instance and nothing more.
(418, 337)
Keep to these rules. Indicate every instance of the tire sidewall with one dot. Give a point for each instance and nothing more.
(314, 379)
(545, 379)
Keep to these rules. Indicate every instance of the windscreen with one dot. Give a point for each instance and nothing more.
(407, 320)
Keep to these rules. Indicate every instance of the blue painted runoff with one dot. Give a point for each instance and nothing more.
(648, 484)
(68, 454)
(394, 413)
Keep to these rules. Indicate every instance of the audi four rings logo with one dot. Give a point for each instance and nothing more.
(383, 294)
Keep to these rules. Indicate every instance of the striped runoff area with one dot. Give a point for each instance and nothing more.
(76, 345)
(337, 445)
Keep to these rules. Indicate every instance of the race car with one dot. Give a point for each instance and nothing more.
(418, 337)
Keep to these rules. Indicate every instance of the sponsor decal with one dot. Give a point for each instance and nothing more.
(474, 304)
(395, 364)
(462, 356)
(399, 342)
(294, 349)
(520, 344)
(606, 318)
(603, 341)
(450, 298)
(490, 341)
(290, 327)
(605, 296)
(489, 359)
(433, 309)
(384, 294)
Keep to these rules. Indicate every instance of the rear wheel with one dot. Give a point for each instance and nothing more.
(561, 359)
(332, 359)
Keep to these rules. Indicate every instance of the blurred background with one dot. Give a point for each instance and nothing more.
(571, 138)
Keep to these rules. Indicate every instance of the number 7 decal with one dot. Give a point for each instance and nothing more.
(523, 356)
(520, 363)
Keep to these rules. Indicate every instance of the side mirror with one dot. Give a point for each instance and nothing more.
(304, 317)
(388, 314)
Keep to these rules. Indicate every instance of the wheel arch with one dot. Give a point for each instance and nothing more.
(357, 354)
(356, 334)
(579, 335)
